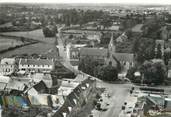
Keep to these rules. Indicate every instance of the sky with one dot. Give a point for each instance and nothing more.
(91, 1)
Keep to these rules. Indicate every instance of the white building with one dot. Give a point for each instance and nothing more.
(7, 66)
(36, 65)
(67, 86)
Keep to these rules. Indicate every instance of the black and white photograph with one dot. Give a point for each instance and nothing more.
(85, 58)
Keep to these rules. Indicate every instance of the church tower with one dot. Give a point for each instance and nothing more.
(111, 46)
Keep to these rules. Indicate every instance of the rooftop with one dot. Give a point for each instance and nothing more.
(4, 79)
(124, 57)
(8, 61)
(93, 52)
(36, 62)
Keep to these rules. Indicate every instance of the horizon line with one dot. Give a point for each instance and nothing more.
(109, 4)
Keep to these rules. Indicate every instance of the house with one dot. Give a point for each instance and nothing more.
(114, 27)
(11, 86)
(122, 38)
(67, 87)
(3, 82)
(36, 65)
(99, 54)
(45, 77)
(39, 100)
(93, 37)
(38, 88)
(77, 99)
(73, 51)
(8, 66)
(167, 104)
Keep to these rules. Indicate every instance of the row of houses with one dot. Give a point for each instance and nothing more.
(76, 95)
(8, 66)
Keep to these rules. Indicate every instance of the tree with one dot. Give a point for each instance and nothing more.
(144, 49)
(154, 72)
(70, 36)
(50, 31)
(131, 76)
(108, 73)
(92, 67)
(87, 65)
(106, 22)
(151, 28)
(128, 33)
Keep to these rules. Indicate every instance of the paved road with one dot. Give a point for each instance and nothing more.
(62, 52)
(118, 93)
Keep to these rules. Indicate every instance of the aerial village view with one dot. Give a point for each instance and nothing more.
(85, 59)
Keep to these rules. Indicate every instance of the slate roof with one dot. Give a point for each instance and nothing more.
(124, 57)
(36, 62)
(40, 86)
(93, 52)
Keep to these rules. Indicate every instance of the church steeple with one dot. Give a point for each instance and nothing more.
(111, 46)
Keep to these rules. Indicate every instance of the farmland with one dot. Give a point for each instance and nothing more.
(43, 46)
(6, 43)
(36, 35)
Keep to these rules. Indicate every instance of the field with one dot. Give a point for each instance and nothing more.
(39, 48)
(45, 44)
(36, 34)
(6, 43)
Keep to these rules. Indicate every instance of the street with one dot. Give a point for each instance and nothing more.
(118, 94)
